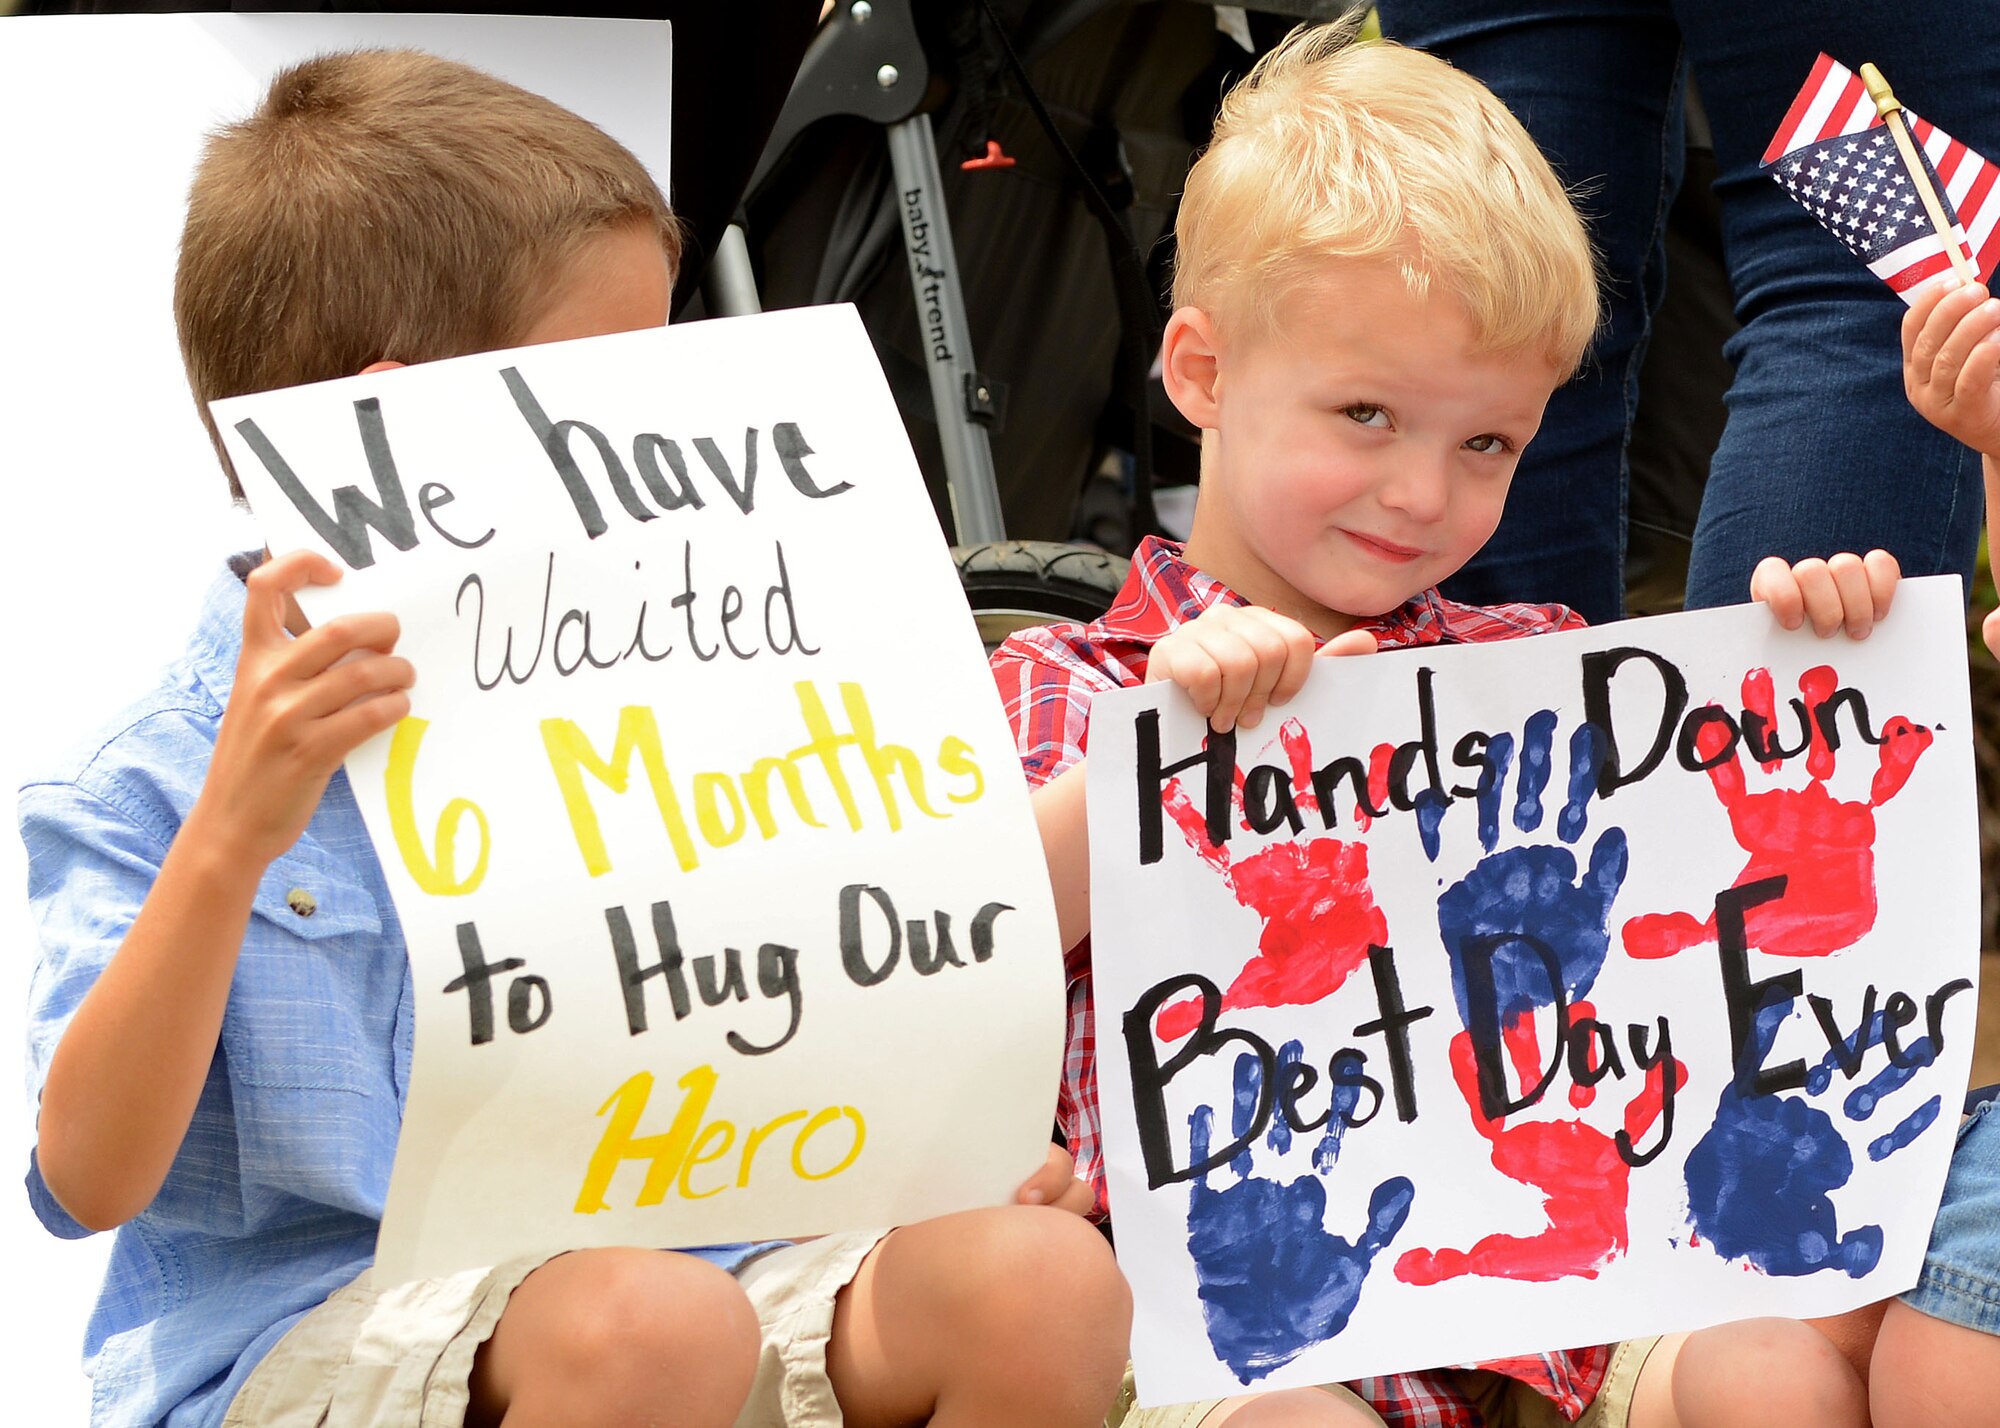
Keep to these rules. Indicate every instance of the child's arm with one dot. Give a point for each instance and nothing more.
(1233, 661)
(1951, 371)
(124, 1080)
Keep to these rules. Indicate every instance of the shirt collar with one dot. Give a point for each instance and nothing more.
(218, 634)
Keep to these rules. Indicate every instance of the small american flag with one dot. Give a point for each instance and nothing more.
(1837, 158)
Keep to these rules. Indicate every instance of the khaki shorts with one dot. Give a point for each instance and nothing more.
(792, 1289)
(402, 1357)
(1502, 1402)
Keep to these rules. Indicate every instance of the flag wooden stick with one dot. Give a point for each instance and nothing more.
(1891, 110)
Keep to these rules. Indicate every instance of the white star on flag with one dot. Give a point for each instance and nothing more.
(1834, 104)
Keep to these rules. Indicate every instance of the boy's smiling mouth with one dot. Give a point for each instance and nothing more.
(1382, 549)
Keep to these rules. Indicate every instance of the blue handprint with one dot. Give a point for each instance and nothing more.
(1524, 911)
(1273, 1282)
(1524, 931)
(1863, 1099)
(1759, 1182)
(1346, 1080)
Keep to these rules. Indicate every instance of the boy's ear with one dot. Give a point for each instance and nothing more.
(1190, 361)
(385, 365)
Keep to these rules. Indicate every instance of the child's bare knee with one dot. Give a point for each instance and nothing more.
(643, 1312)
(1039, 1265)
(1033, 1284)
(1931, 1373)
(1763, 1371)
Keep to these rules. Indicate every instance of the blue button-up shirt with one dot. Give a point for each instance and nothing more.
(273, 1200)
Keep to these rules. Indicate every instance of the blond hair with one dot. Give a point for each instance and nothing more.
(1331, 149)
(388, 205)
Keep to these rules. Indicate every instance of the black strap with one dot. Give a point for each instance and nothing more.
(1138, 309)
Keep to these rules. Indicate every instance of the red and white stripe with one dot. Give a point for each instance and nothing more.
(1972, 184)
(1910, 264)
(1832, 102)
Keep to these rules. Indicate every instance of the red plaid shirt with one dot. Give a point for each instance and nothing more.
(1047, 677)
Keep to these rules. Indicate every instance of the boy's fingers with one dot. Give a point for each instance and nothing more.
(324, 646)
(1820, 596)
(1958, 344)
(1180, 661)
(1236, 668)
(1776, 584)
(1854, 592)
(1076, 1198)
(1046, 1186)
(1925, 327)
(270, 587)
(1353, 642)
(1923, 302)
(342, 733)
(1270, 649)
(351, 680)
(1884, 574)
(1929, 326)
(1978, 384)
(1295, 663)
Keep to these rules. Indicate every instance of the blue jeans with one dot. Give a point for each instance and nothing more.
(1961, 1278)
(1821, 452)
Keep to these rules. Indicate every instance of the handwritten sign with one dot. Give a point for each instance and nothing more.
(726, 914)
(1533, 995)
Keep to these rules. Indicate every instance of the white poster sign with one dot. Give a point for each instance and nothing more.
(725, 907)
(1501, 998)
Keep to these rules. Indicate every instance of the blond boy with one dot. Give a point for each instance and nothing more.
(220, 1024)
(1380, 283)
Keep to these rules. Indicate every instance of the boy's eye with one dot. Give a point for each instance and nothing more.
(1489, 444)
(1365, 414)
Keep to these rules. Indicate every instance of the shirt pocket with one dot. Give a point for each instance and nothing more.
(314, 1000)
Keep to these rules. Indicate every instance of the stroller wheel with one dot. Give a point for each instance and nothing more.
(1013, 584)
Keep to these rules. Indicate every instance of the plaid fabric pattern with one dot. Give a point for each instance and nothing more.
(1046, 677)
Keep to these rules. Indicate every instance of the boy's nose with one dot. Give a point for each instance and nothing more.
(1421, 486)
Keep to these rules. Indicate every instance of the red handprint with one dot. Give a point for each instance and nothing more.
(1825, 849)
(1584, 1178)
(1319, 914)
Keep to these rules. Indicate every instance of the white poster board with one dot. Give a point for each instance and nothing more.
(119, 515)
(726, 910)
(1499, 998)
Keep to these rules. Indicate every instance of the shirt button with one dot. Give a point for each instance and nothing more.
(302, 902)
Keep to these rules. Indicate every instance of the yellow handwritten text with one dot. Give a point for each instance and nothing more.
(726, 805)
(438, 878)
(689, 1142)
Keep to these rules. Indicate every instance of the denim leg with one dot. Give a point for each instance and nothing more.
(1598, 85)
(1822, 452)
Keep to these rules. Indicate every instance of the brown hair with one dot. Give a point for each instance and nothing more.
(388, 205)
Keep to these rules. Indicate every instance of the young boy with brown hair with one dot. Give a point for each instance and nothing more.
(1380, 283)
(221, 1017)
